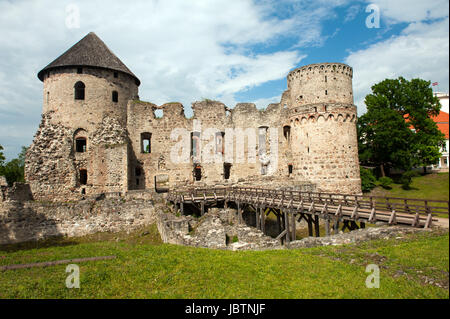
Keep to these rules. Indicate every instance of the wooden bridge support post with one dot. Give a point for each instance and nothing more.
(286, 227)
(182, 208)
(327, 226)
(258, 218)
(316, 225)
(263, 219)
(239, 213)
(336, 226)
(279, 223)
(310, 225)
(293, 235)
(202, 208)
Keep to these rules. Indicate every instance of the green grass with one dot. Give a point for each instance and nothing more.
(431, 186)
(145, 268)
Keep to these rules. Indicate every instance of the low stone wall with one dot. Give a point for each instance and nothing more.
(22, 221)
(18, 192)
(356, 236)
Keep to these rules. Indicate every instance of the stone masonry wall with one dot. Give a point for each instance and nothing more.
(22, 221)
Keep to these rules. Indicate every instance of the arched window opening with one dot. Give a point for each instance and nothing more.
(287, 132)
(220, 143)
(195, 145)
(79, 90)
(83, 176)
(80, 144)
(226, 170)
(146, 146)
(115, 96)
(290, 169)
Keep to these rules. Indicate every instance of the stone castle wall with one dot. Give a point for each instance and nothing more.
(315, 126)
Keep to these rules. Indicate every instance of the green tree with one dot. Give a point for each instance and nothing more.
(14, 169)
(394, 108)
(2, 157)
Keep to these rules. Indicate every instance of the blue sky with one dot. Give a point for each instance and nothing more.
(228, 50)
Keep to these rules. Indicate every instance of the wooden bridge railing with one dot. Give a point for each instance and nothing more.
(379, 203)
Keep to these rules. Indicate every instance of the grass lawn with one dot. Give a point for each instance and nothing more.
(146, 268)
(430, 186)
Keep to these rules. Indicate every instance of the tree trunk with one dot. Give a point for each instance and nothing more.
(382, 170)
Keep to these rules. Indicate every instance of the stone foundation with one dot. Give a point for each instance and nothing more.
(30, 220)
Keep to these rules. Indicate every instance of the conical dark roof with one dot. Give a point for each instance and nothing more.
(89, 51)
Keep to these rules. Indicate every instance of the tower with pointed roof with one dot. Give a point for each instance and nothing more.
(81, 146)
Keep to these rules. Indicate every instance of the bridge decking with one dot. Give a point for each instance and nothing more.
(289, 206)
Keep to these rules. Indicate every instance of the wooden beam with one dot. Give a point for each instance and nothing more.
(263, 220)
(286, 227)
(293, 235)
(327, 227)
(316, 225)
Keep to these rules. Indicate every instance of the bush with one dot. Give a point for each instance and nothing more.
(406, 179)
(368, 181)
(385, 182)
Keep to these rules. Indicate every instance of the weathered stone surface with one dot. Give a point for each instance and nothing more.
(3, 181)
(307, 141)
(217, 229)
(355, 236)
(22, 221)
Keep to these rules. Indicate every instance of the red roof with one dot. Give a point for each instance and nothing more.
(441, 121)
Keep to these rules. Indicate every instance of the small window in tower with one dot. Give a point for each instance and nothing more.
(146, 142)
(116, 74)
(115, 96)
(79, 90)
(137, 181)
(290, 168)
(220, 143)
(137, 171)
(325, 78)
(195, 144)
(79, 70)
(80, 144)
(48, 97)
(226, 170)
(198, 173)
(326, 92)
(287, 132)
(83, 177)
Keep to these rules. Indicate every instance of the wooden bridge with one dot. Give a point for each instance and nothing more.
(291, 206)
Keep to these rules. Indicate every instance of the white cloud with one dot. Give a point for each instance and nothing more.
(411, 10)
(181, 50)
(419, 51)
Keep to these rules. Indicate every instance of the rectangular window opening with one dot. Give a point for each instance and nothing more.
(83, 177)
(146, 143)
(80, 145)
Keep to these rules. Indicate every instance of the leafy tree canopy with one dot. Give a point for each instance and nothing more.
(14, 169)
(394, 107)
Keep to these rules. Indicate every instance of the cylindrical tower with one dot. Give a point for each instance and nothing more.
(323, 118)
(81, 146)
(86, 82)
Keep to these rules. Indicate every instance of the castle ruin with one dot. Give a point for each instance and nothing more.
(96, 136)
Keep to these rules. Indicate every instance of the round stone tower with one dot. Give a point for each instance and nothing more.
(87, 82)
(323, 120)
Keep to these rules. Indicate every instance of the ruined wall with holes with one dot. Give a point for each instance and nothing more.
(315, 146)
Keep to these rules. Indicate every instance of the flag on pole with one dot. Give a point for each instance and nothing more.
(435, 83)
